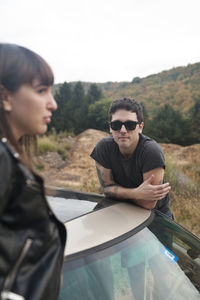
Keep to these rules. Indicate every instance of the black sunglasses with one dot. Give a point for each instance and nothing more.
(129, 125)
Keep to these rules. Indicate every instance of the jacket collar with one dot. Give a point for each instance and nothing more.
(11, 150)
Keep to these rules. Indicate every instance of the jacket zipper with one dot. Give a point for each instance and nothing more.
(51, 212)
(6, 294)
(35, 186)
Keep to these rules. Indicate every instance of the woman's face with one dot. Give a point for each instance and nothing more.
(29, 109)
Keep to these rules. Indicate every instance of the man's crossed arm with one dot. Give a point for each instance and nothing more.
(146, 195)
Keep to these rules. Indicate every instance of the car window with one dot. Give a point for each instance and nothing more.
(182, 243)
(67, 204)
(67, 209)
(140, 267)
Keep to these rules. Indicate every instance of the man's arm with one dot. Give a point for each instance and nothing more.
(155, 179)
(145, 195)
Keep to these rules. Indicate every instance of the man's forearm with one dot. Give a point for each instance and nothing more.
(119, 192)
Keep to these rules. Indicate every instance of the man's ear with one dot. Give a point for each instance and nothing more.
(5, 99)
(141, 125)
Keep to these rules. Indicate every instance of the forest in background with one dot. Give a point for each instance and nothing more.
(170, 100)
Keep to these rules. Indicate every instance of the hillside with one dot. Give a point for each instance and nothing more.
(178, 87)
(183, 172)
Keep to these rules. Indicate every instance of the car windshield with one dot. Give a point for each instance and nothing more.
(160, 261)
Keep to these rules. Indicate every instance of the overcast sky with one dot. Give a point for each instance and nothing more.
(105, 40)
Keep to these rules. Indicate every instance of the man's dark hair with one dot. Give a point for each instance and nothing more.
(126, 104)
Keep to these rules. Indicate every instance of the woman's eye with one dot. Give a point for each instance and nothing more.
(42, 90)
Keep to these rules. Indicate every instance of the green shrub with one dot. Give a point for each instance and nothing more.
(54, 142)
(39, 166)
(62, 151)
(45, 144)
(67, 146)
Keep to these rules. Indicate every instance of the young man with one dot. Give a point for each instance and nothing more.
(129, 164)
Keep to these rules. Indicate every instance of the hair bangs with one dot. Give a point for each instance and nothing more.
(19, 66)
(37, 68)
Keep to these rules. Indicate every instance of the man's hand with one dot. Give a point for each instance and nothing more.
(149, 192)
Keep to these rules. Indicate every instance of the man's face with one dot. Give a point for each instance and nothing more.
(127, 140)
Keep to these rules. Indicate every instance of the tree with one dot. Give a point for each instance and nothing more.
(94, 94)
(146, 119)
(168, 126)
(60, 119)
(136, 80)
(194, 121)
(82, 118)
(98, 115)
(78, 108)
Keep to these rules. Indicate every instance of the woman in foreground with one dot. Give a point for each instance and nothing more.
(32, 240)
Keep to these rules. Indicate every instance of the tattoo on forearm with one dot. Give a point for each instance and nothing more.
(111, 177)
(107, 182)
(100, 177)
(111, 190)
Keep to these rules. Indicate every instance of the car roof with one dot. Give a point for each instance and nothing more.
(91, 219)
(103, 226)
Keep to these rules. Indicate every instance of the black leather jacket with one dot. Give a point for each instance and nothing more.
(32, 240)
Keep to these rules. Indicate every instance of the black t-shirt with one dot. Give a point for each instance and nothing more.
(147, 156)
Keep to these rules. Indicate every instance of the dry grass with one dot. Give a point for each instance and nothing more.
(55, 143)
(183, 173)
(186, 207)
(46, 144)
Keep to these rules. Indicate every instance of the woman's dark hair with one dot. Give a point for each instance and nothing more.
(18, 66)
(126, 104)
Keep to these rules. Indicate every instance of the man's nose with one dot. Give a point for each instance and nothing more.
(123, 128)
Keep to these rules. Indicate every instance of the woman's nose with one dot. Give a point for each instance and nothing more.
(52, 104)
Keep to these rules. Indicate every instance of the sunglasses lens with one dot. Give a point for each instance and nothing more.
(130, 125)
(117, 125)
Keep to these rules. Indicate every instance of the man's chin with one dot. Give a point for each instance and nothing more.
(123, 145)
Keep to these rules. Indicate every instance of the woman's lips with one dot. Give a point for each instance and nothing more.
(47, 119)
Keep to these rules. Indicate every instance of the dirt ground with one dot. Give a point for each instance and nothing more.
(79, 170)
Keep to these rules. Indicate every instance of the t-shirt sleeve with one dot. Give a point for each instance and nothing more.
(101, 153)
(153, 157)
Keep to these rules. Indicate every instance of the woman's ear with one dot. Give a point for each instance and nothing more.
(5, 97)
(7, 105)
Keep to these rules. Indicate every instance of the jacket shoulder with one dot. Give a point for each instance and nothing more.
(5, 175)
(5, 159)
